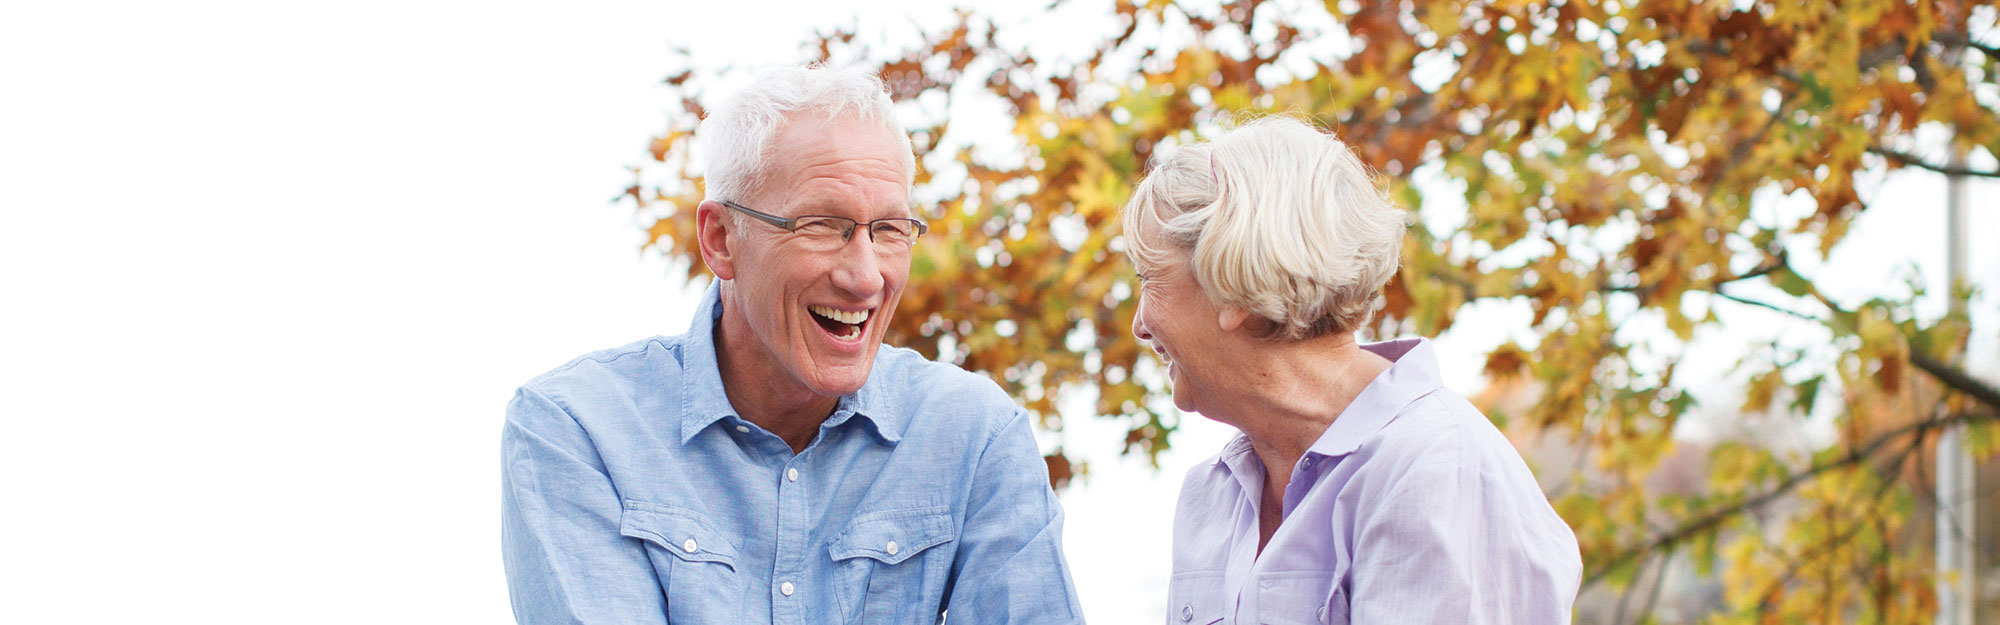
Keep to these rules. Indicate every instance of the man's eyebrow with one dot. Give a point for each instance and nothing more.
(827, 206)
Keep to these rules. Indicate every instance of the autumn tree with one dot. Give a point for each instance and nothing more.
(1605, 163)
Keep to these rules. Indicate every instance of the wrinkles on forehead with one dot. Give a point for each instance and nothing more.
(845, 195)
(847, 167)
(1146, 241)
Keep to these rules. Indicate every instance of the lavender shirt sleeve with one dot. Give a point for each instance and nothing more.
(1453, 544)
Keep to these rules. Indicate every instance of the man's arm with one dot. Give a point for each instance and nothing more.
(559, 515)
(1453, 545)
(1010, 566)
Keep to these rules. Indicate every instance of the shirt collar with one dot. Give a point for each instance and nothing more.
(874, 407)
(1242, 463)
(705, 402)
(1413, 375)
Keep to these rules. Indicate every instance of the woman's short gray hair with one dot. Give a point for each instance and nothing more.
(736, 137)
(1273, 217)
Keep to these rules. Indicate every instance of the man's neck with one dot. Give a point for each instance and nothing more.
(790, 410)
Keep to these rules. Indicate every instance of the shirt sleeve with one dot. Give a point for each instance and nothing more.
(1451, 544)
(1010, 566)
(559, 516)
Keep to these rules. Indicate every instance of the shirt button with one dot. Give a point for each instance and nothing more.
(791, 475)
(785, 588)
(892, 548)
(743, 428)
(1187, 613)
(688, 545)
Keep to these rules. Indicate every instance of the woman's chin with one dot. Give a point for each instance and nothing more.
(1184, 401)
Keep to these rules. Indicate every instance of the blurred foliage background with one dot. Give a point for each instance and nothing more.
(1616, 168)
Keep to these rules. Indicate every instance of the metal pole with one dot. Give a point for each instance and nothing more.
(1955, 503)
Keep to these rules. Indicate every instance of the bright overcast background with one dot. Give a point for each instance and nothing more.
(270, 272)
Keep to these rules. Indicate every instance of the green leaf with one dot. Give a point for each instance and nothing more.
(1790, 282)
(1806, 393)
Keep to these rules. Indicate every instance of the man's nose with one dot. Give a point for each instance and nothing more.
(859, 271)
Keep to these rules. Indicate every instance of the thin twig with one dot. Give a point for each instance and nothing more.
(1744, 300)
(1618, 611)
(1918, 162)
(1659, 581)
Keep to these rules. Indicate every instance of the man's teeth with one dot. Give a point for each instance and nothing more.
(850, 317)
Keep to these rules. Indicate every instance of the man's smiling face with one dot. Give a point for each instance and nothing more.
(814, 318)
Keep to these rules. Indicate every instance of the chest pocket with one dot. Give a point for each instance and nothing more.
(890, 567)
(1197, 598)
(694, 562)
(1301, 598)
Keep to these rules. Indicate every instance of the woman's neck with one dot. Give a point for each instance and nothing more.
(1288, 397)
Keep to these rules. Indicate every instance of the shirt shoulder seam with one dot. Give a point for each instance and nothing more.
(603, 358)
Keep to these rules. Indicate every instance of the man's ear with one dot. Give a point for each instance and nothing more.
(711, 225)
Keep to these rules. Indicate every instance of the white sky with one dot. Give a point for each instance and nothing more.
(271, 272)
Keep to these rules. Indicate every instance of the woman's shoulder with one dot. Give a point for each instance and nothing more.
(1441, 430)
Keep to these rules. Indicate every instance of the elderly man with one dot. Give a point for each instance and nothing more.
(776, 463)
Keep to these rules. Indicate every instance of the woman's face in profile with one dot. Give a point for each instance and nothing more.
(1180, 323)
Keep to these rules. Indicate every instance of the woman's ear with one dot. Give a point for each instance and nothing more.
(1231, 318)
(712, 233)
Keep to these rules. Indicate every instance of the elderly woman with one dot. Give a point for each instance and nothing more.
(1359, 489)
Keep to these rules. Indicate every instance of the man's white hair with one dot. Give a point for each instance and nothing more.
(736, 138)
(1273, 217)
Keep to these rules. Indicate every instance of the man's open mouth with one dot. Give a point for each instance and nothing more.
(842, 324)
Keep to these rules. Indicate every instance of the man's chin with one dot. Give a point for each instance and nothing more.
(840, 371)
(835, 389)
(842, 380)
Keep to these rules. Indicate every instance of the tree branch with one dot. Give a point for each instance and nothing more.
(1866, 59)
(1877, 56)
(1956, 379)
(1962, 40)
(1914, 161)
(1765, 603)
(1770, 264)
(1713, 518)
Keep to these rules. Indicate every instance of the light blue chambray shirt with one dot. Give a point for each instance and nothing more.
(633, 493)
(1411, 508)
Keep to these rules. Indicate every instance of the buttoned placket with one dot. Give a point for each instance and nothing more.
(788, 594)
(1243, 554)
(1304, 474)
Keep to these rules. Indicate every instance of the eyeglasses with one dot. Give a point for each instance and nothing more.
(828, 233)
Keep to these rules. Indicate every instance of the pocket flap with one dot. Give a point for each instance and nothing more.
(892, 536)
(1300, 598)
(678, 531)
(1197, 598)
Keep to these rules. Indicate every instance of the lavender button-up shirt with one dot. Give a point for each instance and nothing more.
(1410, 508)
